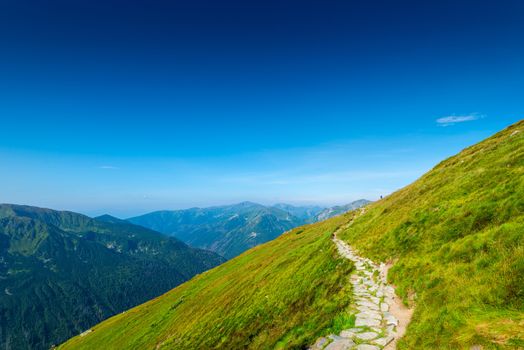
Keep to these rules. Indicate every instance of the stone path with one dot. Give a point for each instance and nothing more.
(375, 326)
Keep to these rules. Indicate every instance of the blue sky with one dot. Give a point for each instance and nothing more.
(126, 107)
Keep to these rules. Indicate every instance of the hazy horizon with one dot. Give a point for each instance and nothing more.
(332, 174)
(174, 104)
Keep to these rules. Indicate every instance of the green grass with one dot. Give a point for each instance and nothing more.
(282, 294)
(457, 238)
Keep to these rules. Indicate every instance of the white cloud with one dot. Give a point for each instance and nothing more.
(453, 119)
(109, 167)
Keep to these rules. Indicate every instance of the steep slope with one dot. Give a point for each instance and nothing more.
(61, 272)
(339, 210)
(226, 230)
(281, 294)
(456, 236)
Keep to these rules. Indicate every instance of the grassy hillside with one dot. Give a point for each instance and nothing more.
(62, 272)
(278, 295)
(457, 236)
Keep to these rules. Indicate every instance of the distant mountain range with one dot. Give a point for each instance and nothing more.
(339, 210)
(61, 272)
(304, 213)
(232, 229)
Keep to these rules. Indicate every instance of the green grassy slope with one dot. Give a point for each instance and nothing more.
(278, 295)
(457, 236)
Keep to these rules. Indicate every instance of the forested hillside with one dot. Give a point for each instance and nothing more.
(61, 272)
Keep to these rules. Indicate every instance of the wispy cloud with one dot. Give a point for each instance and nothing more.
(454, 119)
(108, 167)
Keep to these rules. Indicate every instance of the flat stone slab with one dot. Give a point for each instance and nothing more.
(367, 347)
(374, 300)
(334, 337)
(365, 309)
(367, 335)
(354, 330)
(369, 322)
(319, 344)
(340, 344)
(383, 341)
(347, 334)
(369, 314)
(368, 304)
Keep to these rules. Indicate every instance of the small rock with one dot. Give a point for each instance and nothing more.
(84, 333)
(384, 307)
(391, 329)
(391, 320)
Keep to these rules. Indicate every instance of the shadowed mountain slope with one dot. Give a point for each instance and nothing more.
(227, 230)
(61, 272)
(232, 229)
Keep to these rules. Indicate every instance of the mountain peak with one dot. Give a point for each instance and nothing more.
(110, 218)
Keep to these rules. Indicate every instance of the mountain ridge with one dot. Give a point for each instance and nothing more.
(62, 272)
(231, 229)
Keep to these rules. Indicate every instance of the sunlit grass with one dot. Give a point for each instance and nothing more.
(457, 236)
(457, 239)
(282, 294)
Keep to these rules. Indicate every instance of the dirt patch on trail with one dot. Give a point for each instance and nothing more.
(398, 309)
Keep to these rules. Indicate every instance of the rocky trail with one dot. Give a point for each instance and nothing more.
(381, 317)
